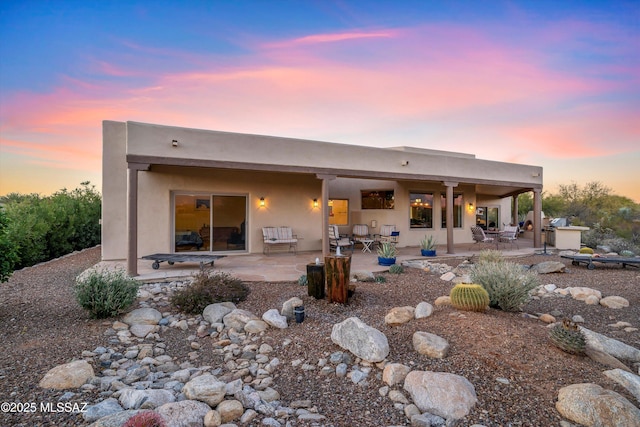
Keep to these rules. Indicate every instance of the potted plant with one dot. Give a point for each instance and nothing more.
(428, 246)
(387, 253)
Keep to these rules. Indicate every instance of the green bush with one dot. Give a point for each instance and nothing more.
(105, 293)
(8, 254)
(508, 285)
(396, 269)
(209, 288)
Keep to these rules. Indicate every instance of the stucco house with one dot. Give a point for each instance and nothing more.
(170, 189)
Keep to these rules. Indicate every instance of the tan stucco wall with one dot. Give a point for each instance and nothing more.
(114, 190)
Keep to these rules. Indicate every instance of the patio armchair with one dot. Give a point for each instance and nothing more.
(477, 233)
(509, 235)
(360, 233)
(388, 234)
(337, 241)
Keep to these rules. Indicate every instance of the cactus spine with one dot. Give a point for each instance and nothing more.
(469, 297)
(567, 337)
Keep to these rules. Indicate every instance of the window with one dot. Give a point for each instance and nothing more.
(457, 210)
(209, 222)
(421, 210)
(339, 211)
(377, 199)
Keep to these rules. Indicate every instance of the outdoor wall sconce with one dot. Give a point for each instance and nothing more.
(262, 202)
(470, 207)
(174, 143)
(405, 163)
(315, 203)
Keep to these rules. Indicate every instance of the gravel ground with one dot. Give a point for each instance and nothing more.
(42, 327)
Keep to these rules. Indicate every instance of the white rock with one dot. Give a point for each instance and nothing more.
(144, 316)
(446, 395)
(141, 330)
(443, 300)
(582, 293)
(550, 287)
(448, 276)
(214, 313)
(186, 413)
(205, 388)
(614, 302)
(289, 305)
(607, 345)
(212, 419)
(430, 344)
(423, 309)
(230, 410)
(256, 326)
(360, 339)
(628, 380)
(238, 318)
(395, 373)
(591, 405)
(145, 399)
(102, 409)
(273, 318)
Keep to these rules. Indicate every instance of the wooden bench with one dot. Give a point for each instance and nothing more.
(279, 236)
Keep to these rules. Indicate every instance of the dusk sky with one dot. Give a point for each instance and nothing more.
(547, 83)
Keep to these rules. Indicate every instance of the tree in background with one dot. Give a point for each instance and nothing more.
(43, 228)
(8, 255)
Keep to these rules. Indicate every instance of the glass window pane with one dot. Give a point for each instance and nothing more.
(377, 199)
(229, 223)
(339, 211)
(421, 210)
(457, 210)
(192, 216)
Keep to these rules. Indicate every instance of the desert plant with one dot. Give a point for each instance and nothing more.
(387, 250)
(469, 297)
(490, 255)
(627, 253)
(507, 283)
(428, 243)
(586, 251)
(303, 280)
(568, 337)
(146, 419)
(105, 293)
(209, 288)
(396, 269)
(381, 279)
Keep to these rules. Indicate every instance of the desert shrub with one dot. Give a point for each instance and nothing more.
(146, 419)
(490, 255)
(396, 269)
(618, 244)
(8, 253)
(105, 293)
(507, 283)
(209, 288)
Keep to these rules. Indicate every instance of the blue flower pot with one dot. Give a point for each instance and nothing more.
(386, 261)
(428, 252)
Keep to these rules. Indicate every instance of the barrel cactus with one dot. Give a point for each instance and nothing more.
(396, 269)
(469, 297)
(568, 337)
(586, 251)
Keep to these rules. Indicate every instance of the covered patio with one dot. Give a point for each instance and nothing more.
(283, 266)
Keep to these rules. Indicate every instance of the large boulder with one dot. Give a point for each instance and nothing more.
(230, 410)
(143, 316)
(70, 375)
(430, 345)
(423, 309)
(628, 380)
(360, 339)
(614, 302)
(591, 405)
(205, 388)
(547, 267)
(102, 409)
(399, 315)
(145, 399)
(273, 318)
(238, 318)
(213, 313)
(615, 348)
(581, 293)
(395, 373)
(449, 396)
(289, 305)
(186, 413)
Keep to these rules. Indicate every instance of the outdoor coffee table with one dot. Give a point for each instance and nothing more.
(366, 245)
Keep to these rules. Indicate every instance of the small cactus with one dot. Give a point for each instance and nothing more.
(146, 419)
(381, 279)
(396, 269)
(586, 251)
(302, 280)
(567, 337)
(469, 297)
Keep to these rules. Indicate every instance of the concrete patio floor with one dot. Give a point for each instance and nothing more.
(286, 266)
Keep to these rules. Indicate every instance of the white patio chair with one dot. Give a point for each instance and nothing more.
(336, 240)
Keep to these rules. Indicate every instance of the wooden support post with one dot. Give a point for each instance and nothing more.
(337, 270)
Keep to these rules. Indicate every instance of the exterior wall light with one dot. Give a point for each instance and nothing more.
(470, 207)
(315, 203)
(174, 143)
(262, 202)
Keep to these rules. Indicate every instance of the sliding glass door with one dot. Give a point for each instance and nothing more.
(209, 222)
